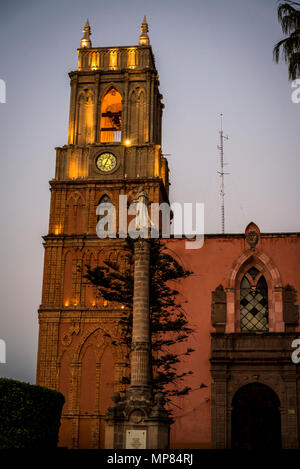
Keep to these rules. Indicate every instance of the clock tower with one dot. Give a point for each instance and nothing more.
(114, 147)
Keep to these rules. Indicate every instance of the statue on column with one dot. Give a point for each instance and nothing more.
(143, 223)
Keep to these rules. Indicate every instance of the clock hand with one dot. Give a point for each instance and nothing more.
(106, 162)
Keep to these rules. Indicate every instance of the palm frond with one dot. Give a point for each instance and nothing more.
(294, 66)
(289, 48)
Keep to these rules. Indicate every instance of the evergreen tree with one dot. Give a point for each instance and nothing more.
(168, 321)
(289, 47)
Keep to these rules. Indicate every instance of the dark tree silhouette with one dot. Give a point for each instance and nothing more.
(289, 47)
(168, 321)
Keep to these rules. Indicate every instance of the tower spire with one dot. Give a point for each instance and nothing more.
(144, 38)
(86, 40)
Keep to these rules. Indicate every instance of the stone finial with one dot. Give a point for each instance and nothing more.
(144, 38)
(115, 397)
(86, 40)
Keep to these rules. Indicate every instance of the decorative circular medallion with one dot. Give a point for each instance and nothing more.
(136, 416)
(106, 162)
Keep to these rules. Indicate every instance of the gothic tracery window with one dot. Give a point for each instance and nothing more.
(253, 302)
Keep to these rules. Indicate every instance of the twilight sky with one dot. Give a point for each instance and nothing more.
(212, 56)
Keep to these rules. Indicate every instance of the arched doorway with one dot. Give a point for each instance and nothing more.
(255, 421)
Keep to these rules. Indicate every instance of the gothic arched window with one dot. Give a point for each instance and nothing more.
(254, 302)
(103, 200)
(111, 116)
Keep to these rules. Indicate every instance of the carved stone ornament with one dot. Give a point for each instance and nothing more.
(67, 337)
(252, 239)
(159, 400)
(66, 340)
(118, 406)
(158, 408)
(136, 416)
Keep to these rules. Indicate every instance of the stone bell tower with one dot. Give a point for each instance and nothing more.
(114, 147)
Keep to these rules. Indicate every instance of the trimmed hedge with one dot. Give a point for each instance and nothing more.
(29, 415)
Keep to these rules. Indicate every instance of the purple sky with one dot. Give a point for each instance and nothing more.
(212, 57)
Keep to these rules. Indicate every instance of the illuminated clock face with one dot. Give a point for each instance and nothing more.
(106, 162)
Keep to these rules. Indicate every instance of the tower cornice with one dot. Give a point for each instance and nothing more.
(115, 58)
(118, 183)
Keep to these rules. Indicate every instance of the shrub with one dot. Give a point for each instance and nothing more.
(29, 415)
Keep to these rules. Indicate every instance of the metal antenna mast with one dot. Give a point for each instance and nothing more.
(222, 173)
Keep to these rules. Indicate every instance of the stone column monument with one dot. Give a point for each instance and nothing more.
(139, 421)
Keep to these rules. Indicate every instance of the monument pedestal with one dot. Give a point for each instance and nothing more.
(135, 423)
